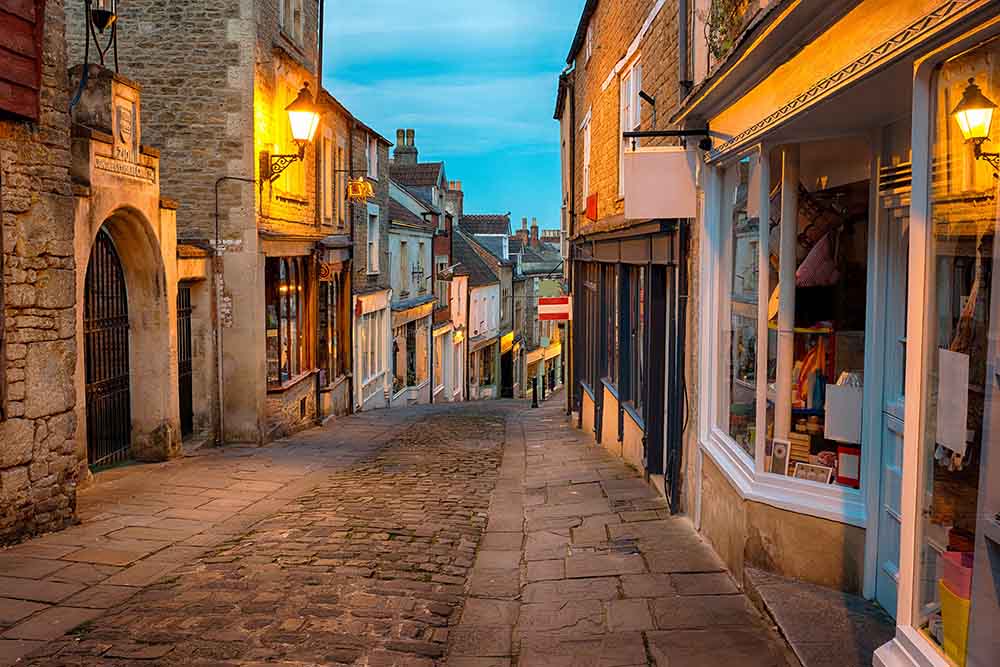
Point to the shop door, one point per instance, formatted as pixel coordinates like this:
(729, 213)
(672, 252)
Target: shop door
(889, 518)
(106, 356)
(184, 359)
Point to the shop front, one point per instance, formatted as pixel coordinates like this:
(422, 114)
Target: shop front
(372, 345)
(849, 307)
(411, 340)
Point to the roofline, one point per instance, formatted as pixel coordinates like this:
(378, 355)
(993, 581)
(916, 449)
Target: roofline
(561, 93)
(581, 30)
(327, 97)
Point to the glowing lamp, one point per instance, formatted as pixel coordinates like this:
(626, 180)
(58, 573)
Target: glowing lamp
(974, 115)
(103, 13)
(303, 115)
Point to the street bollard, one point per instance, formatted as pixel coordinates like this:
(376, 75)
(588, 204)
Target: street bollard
(543, 387)
(534, 392)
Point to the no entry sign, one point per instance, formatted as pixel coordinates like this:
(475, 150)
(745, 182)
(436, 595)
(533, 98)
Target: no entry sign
(554, 308)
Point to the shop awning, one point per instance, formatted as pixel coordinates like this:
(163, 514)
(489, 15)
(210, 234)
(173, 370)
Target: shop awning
(476, 344)
(553, 351)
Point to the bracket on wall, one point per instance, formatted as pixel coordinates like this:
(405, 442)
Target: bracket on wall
(704, 144)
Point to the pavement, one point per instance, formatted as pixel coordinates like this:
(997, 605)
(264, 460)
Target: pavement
(473, 535)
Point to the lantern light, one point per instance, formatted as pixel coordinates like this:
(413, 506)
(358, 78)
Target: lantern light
(103, 13)
(974, 115)
(303, 117)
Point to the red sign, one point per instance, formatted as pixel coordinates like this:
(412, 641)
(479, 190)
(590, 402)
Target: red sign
(592, 207)
(554, 308)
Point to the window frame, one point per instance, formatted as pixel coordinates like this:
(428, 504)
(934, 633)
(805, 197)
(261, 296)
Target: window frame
(371, 157)
(589, 43)
(629, 112)
(329, 177)
(585, 171)
(831, 501)
(330, 360)
(292, 324)
(373, 240)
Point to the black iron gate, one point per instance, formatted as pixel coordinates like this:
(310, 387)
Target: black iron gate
(106, 356)
(184, 366)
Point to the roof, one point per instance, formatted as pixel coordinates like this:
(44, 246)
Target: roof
(417, 196)
(492, 242)
(581, 30)
(561, 94)
(423, 174)
(463, 252)
(399, 214)
(485, 224)
(514, 245)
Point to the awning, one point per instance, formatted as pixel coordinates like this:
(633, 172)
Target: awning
(536, 355)
(507, 342)
(476, 344)
(553, 351)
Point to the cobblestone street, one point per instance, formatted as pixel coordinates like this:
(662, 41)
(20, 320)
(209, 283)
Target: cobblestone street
(477, 535)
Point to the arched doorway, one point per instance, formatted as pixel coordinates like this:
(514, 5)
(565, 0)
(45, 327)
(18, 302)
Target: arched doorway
(106, 356)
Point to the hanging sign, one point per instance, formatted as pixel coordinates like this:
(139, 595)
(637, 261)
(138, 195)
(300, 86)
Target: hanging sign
(554, 309)
(359, 189)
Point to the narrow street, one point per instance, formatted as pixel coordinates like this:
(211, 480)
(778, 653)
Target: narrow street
(482, 534)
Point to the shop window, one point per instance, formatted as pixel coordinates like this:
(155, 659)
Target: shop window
(962, 381)
(817, 287)
(738, 353)
(371, 340)
(438, 362)
(287, 352)
(486, 367)
(328, 333)
(636, 312)
(610, 322)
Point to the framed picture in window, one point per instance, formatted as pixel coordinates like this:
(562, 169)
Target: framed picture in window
(813, 472)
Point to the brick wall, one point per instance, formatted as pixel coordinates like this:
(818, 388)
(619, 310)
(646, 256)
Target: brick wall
(38, 460)
(615, 25)
(194, 61)
(362, 282)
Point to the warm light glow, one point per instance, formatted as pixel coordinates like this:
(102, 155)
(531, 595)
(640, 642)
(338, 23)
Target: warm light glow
(974, 113)
(359, 189)
(303, 116)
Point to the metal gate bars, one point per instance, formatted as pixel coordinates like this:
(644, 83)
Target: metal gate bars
(106, 356)
(184, 356)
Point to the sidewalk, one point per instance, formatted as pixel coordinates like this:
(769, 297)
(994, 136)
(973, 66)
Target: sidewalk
(582, 565)
(139, 523)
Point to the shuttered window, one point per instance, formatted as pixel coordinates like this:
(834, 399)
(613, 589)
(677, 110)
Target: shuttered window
(21, 25)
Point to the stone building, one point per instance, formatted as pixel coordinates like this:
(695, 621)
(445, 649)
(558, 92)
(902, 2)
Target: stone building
(628, 265)
(39, 457)
(246, 191)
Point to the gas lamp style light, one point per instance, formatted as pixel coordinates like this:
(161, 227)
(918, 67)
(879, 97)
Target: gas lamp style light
(102, 17)
(103, 14)
(303, 116)
(974, 115)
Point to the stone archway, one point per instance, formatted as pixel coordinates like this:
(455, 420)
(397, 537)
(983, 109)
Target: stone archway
(149, 326)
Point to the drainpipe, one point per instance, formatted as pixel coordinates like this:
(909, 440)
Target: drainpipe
(571, 265)
(677, 382)
(218, 275)
(682, 48)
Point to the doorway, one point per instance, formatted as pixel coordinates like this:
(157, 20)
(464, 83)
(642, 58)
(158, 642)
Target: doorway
(106, 356)
(507, 375)
(185, 370)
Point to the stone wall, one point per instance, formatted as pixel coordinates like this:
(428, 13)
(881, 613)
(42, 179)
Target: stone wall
(615, 25)
(194, 61)
(38, 464)
(362, 282)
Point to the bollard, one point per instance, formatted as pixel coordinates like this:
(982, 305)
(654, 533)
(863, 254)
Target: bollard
(543, 386)
(534, 392)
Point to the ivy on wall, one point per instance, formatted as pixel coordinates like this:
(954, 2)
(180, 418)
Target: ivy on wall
(724, 21)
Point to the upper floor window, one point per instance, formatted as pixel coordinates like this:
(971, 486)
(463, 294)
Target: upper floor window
(373, 238)
(329, 177)
(586, 158)
(291, 18)
(418, 270)
(371, 155)
(589, 48)
(404, 268)
(631, 114)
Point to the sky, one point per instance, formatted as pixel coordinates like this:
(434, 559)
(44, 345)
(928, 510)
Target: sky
(475, 80)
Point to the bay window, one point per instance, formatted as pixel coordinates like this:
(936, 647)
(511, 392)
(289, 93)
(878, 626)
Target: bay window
(288, 357)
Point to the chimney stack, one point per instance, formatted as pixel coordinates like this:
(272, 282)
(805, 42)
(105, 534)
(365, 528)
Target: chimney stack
(534, 233)
(405, 152)
(454, 199)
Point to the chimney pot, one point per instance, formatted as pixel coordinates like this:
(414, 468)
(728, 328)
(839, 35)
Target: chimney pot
(400, 138)
(409, 137)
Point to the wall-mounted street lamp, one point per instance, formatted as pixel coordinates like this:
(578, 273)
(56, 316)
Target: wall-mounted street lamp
(303, 116)
(974, 115)
(103, 14)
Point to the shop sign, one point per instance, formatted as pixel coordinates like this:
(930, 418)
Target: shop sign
(555, 308)
(660, 183)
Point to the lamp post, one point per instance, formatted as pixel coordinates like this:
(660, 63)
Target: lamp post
(303, 116)
(974, 115)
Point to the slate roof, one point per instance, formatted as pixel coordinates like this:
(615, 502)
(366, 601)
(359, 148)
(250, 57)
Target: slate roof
(421, 175)
(463, 252)
(399, 214)
(494, 244)
(485, 224)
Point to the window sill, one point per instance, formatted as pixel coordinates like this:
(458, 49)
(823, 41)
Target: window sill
(586, 388)
(629, 408)
(826, 501)
(611, 388)
(289, 384)
(291, 198)
(330, 386)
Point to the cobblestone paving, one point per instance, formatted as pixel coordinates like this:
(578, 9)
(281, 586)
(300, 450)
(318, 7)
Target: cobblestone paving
(368, 567)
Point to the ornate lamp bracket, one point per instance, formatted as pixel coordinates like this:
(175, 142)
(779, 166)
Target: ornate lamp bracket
(992, 158)
(271, 166)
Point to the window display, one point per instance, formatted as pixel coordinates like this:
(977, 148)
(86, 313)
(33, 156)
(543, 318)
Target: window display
(287, 353)
(329, 351)
(960, 387)
(817, 282)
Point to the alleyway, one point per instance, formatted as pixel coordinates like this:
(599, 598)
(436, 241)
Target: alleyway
(477, 535)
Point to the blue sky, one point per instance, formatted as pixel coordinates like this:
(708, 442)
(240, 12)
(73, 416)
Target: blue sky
(476, 81)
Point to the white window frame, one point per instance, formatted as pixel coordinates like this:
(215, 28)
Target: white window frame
(833, 502)
(371, 157)
(404, 267)
(630, 113)
(340, 191)
(329, 177)
(585, 129)
(589, 46)
(373, 240)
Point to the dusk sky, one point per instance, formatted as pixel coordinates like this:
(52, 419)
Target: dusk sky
(476, 81)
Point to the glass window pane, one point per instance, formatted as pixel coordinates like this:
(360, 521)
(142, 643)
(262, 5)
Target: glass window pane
(962, 399)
